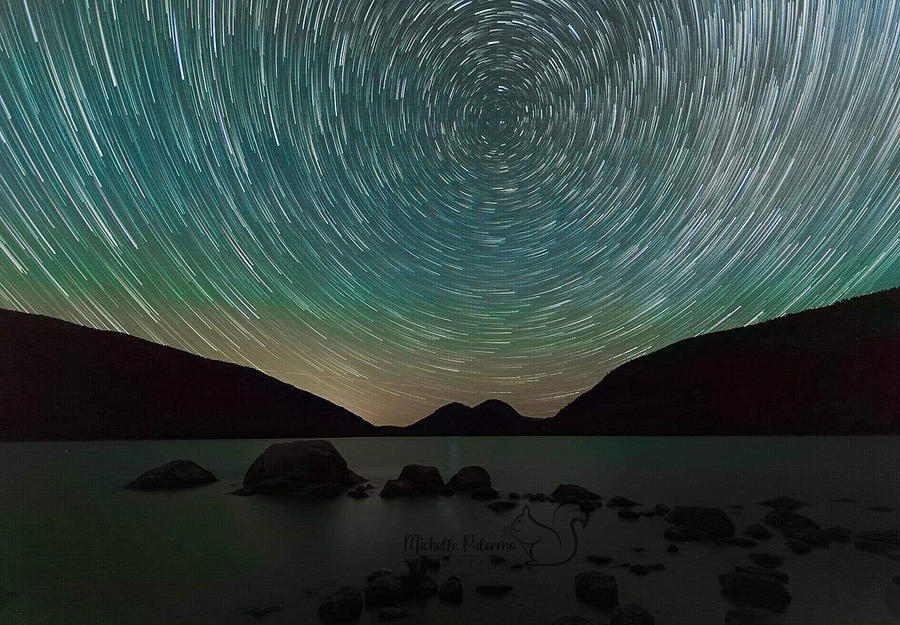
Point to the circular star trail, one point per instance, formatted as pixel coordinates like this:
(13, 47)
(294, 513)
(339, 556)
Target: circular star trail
(395, 204)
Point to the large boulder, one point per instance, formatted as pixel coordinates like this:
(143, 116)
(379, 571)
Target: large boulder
(699, 521)
(754, 591)
(343, 606)
(310, 468)
(597, 588)
(414, 479)
(469, 478)
(175, 474)
(630, 614)
(573, 492)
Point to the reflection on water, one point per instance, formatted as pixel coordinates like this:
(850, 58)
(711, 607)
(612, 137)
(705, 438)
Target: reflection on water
(76, 547)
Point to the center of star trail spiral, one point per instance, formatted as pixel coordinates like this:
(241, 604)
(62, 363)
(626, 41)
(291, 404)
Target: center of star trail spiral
(395, 204)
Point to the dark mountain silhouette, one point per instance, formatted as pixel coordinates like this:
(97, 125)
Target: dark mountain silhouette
(59, 380)
(491, 417)
(829, 370)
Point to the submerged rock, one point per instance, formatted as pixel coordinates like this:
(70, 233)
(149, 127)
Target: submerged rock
(493, 590)
(780, 519)
(469, 478)
(451, 590)
(621, 502)
(766, 560)
(697, 520)
(783, 503)
(502, 505)
(750, 616)
(393, 614)
(342, 606)
(754, 591)
(305, 468)
(597, 588)
(175, 474)
(630, 614)
(757, 531)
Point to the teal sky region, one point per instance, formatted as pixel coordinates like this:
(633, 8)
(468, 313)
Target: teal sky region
(394, 204)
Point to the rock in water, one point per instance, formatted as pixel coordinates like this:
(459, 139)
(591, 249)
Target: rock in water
(494, 590)
(750, 616)
(392, 614)
(766, 559)
(597, 588)
(573, 492)
(502, 505)
(696, 520)
(301, 468)
(753, 591)
(780, 519)
(175, 474)
(631, 614)
(451, 591)
(469, 478)
(414, 480)
(758, 531)
(575, 620)
(621, 502)
(783, 503)
(343, 606)
(384, 590)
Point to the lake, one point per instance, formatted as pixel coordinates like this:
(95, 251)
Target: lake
(76, 547)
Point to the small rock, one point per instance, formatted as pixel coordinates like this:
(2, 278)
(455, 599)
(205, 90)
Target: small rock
(493, 590)
(710, 522)
(495, 559)
(672, 549)
(588, 506)
(839, 534)
(451, 590)
(638, 549)
(783, 520)
(776, 576)
(357, 494)
(264, 611)
(573, 492)
(630, 614)
(601, 560)
(881, 508)
(513, 496)
(754, 592)
(814, 538)
(502, 505)
(175, 474)
(739, 541)
(750, 616)
(342, 606)
(639, 569)
(597, 588)
(662, 509)
(757, 531)
(680, 534)
(575, 620)
(797, 546)
(621, 502)
(392, 614)
(384, 591)
(628, 514)
(783, 503)
(766, 560)
(658, 566)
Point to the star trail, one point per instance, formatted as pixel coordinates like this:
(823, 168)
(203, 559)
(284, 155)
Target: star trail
(399, 203)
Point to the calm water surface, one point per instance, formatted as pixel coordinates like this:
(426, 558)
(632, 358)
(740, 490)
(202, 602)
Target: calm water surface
(78, 548)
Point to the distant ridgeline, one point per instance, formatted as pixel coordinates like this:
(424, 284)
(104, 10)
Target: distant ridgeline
(832, 370)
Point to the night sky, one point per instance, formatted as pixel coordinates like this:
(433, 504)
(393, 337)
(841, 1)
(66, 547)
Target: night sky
(399, 203)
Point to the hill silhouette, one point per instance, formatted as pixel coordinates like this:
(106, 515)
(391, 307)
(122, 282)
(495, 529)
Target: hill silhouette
(831, 370)
(59, 380)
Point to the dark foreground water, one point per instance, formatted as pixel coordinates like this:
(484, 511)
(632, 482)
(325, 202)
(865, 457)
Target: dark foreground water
(76, 547)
